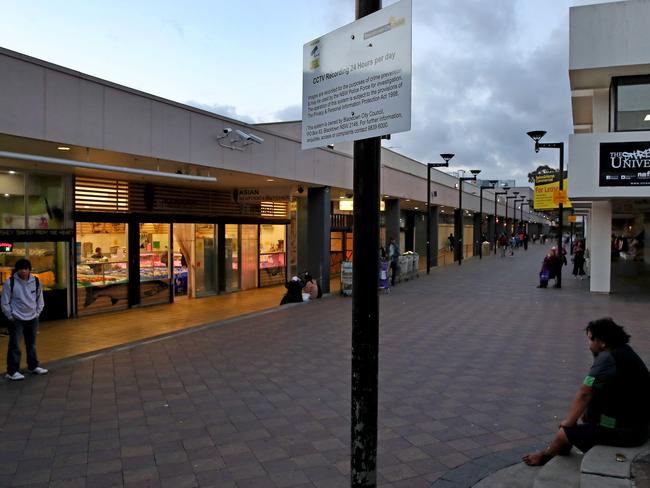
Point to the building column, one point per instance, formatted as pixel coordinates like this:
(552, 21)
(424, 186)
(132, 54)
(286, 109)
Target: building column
(392, 221)
(600, 260)
(302, 244)
(318, 228)
(433, 236)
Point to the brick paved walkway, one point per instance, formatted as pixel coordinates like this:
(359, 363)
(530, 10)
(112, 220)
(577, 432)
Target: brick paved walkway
(474, 361)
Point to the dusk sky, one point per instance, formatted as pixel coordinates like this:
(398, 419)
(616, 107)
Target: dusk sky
(484, 73)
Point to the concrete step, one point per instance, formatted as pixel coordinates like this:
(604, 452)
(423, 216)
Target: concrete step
(560, 472)
(516, 476)
(610, 467)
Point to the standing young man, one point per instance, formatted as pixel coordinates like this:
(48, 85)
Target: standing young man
(22, 303)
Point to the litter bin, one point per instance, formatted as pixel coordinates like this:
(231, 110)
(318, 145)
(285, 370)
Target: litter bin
(485, 248)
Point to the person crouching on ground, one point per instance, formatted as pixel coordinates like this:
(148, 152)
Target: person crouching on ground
(294, 291)
(613, 400)
(311, 287)
(22, 303)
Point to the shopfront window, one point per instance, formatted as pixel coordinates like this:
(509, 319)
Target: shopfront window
(632, 103)
(48, 265)
(154, 264)
(272, 254)
(44, 202)
(12, 200)
(31, 201)
(232, 257)
(102, 267)
(206, 259)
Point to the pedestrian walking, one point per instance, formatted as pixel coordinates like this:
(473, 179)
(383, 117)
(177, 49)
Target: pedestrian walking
(393, 256)
(578, 260)
(503, 244)
(22, 304)
(451, 242)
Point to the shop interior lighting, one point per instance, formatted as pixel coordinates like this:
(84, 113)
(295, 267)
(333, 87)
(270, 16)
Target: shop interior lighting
(63, 148)
(103, 167)
(7, 195)
(270, 179)
(647, 118)
(12, 172)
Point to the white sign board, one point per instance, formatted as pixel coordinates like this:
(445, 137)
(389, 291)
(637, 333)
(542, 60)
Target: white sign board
(356, 80)
(257, 195)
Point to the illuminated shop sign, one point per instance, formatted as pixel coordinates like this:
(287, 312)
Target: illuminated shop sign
(624, 164)
(6, 247)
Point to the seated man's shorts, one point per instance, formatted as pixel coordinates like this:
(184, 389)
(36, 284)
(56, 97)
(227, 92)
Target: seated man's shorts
(586, 435)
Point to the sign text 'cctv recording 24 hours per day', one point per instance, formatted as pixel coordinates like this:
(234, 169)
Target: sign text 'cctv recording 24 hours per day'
(346, 98)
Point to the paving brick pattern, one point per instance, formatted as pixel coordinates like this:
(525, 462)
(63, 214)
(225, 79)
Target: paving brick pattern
(475, 364)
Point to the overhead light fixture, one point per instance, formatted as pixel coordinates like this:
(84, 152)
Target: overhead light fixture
(270, 179)
(416, 208)
(63, 148)
(12, 172)
(103, 167)
(7, 194)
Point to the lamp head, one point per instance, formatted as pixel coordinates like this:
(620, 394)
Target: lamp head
(475, 171)
(506, 188)
(536, 135)
(446, 157)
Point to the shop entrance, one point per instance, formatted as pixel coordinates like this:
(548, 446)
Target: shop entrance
(630, 272)
(195, 260)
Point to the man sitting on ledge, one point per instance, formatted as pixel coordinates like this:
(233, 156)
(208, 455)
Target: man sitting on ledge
(613, 400)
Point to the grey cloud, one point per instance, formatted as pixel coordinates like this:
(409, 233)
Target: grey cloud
(292, 112)
(225, 110)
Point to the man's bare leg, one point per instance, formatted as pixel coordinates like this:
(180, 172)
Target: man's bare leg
(559, 445)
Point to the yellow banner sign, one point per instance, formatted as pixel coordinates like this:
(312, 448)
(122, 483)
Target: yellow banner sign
(547, 192)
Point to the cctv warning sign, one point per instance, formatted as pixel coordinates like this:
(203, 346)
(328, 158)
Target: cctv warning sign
(357, 79)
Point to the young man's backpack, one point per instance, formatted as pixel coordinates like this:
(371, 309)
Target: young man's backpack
(12, 281)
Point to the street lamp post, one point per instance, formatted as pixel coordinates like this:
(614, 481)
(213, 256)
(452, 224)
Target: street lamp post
(446, 157)
(536, 136)
(490, 185)
(459, 230)
(496, 201)
(509, 197)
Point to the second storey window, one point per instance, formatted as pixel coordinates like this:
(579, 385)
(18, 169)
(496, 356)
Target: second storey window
(632, 103)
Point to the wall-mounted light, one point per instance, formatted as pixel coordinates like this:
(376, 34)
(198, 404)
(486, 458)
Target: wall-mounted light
(63, 148)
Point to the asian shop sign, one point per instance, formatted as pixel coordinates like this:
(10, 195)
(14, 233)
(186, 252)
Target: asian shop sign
(624, 164)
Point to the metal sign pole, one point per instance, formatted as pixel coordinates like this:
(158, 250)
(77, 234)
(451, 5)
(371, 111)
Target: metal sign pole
(365, 302)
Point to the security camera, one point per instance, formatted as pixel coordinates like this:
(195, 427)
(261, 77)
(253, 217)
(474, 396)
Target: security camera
(255, 138)
(242, 135)
(227, 130)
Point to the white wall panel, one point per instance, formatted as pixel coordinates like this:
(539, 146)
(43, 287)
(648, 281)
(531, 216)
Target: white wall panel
(170, 137)
(127, 122)
(22, 98)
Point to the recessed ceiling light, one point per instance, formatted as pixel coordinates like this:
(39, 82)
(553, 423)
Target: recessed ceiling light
(6, 194)
(63, 148)
(408, 200)
(416, 208)
(12, 172)
(270, 179)
(647, 118)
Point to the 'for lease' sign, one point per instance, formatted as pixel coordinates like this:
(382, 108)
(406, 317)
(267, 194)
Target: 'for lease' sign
(357, 79)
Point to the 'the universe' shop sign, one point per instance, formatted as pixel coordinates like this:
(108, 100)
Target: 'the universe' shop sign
(625, 164)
